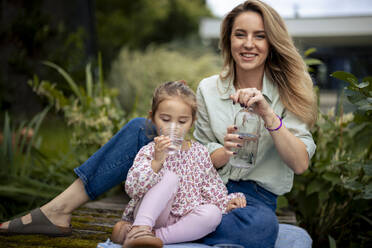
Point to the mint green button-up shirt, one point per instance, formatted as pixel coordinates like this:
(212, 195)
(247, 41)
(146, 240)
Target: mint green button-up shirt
(216, 112)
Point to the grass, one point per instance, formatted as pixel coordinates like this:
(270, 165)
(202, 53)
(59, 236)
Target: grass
(56, 137)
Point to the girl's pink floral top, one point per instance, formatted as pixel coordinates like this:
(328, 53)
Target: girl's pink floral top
(199, 182)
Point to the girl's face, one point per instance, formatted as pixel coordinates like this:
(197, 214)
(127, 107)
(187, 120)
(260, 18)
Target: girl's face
(249, 46)
(173, 109)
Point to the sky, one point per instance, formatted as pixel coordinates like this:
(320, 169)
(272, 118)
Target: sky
(305, 8)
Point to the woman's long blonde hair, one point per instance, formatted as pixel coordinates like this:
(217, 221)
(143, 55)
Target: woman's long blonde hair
(284, 65)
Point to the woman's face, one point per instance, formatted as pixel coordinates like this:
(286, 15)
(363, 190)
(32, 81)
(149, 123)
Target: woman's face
(249, 46)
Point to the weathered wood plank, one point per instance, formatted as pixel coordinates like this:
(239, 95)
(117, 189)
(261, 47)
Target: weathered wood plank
(91, 224)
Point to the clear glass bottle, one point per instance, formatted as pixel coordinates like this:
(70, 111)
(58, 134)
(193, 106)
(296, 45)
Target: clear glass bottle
(249, 127)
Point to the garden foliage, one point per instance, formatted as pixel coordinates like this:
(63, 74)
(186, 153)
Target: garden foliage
(333, 198)
(27, 176)
(93, 112)
(136, 74)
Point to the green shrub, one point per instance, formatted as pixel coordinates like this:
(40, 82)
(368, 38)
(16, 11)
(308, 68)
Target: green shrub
(93, 112)
(136, 74)
(27, 176)
(333, 198)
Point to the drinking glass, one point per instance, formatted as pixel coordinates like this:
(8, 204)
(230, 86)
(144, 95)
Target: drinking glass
(176, 135)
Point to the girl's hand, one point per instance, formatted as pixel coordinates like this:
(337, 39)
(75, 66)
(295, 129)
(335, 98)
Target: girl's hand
(160, 154)
(238, 202)
(252, 97)
(161, 144)
(232, 140)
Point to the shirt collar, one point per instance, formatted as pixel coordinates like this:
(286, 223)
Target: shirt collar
(226, 88)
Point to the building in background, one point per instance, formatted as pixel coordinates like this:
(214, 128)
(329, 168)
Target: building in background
(342, 43)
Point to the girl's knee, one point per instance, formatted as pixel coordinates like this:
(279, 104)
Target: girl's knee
(171, 179)
(210, 215)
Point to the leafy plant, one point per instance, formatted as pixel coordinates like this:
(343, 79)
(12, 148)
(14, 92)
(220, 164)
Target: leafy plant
(27, 176)
(136, 73)
(93, 111)
(311, 61)
(333, 198)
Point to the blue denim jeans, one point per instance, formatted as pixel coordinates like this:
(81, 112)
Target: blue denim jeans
(109, 166)
(255, 224)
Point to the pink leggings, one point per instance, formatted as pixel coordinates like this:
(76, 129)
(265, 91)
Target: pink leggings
(154, 210)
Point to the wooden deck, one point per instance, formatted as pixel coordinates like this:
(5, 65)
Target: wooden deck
(91, 224)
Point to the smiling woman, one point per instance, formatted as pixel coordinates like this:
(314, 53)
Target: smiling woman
(262, 71)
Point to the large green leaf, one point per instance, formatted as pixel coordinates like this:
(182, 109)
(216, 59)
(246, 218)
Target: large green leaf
(67, 77)
(315, 186)
(89, 80)
(309, 51)
(332, 177)
(346, 76)
(9, 190)
(367, 168)
(332, 242)
(313, 62)
(367, 192)
(353, 184)
(366, 107)
(363, 85)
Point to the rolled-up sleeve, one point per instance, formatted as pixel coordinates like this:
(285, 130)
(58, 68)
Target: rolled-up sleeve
(203, 131)
(300, 130)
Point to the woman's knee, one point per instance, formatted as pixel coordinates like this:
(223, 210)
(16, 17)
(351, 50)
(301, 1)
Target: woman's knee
(263, 224)
(138, 122)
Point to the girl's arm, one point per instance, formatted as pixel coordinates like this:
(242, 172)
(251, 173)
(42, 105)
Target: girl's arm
(141, 177)
(214, 190)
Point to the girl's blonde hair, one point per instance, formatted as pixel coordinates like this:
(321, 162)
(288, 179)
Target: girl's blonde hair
(173, 89)
(284, 66)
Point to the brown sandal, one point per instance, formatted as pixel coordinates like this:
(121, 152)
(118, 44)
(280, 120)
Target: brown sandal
(40, 224)
(142, 237)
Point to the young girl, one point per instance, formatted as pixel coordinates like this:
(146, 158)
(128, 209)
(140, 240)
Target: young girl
(174, 198)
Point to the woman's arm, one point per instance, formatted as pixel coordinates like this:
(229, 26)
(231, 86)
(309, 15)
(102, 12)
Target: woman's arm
(290, 148)
(203, 133)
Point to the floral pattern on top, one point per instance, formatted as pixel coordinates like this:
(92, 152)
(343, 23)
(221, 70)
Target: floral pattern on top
(199, 182)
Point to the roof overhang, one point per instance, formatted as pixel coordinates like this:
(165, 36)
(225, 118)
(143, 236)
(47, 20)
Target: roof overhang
(336, 31)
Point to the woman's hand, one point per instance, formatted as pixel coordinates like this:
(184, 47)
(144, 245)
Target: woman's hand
(222, 155)
(238, 202)
(161, 145)
(252, 97)
(232, 140)
(291, 149)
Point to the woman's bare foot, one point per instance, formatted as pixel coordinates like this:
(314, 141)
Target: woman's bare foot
(59, 209)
